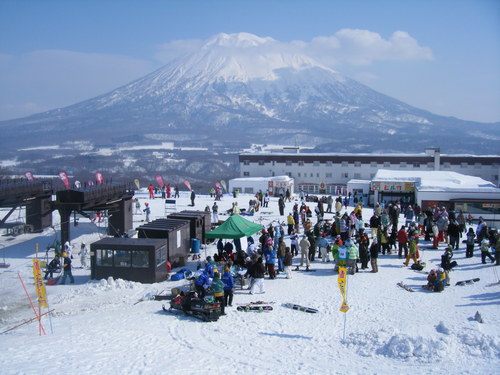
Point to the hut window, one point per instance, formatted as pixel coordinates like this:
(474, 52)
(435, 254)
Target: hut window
(161, 255)
(122, 258)
(140, 259)
(104, 258)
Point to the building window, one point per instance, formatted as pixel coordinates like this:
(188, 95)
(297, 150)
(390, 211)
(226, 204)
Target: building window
(248, 190)
(372, 175)
(373, 164)
(357, 164)
(289, 174)
(495, 177)
(261, 162)
(246, 162)
(312, 174)
(272, 174)
(402, 164)
(246, 174)
(345, 175)
(301, 163)
(298, 174)
(329, 163)
(446, 165)
(316, 163)
(329, 175)
(345, 164)
(387, 164)
(416, 165)
(357, 175)
(122, 258)
(464, 165)
(430, 165)
(288, 162)
(161, 255)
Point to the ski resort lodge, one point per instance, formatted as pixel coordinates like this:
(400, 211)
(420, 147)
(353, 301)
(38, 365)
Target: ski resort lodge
(329, 173)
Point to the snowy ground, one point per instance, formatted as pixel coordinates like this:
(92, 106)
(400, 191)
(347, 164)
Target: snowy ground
(97, 327)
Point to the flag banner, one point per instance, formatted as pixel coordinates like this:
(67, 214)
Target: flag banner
(342, 281)
(223, 184)
(39, 285)
(137, 184)
(99, 178)
(186, 182)
(64, 177)
(29, 176)
(159, 179)
(218, 185)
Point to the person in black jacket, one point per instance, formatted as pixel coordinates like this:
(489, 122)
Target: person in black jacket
(53, 266)
(67, 269)
(374, 225)
(374, 250)
(257, 272)
(454, 234)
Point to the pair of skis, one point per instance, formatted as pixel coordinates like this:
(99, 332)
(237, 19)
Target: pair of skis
(258, 306)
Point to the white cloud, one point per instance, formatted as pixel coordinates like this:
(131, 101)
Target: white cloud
(347, 46)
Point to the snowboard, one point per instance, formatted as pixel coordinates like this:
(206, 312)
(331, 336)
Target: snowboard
(405, 287)
(464, 282)
(300, 308)
(257, 308)
(256, 303)
(53, 281)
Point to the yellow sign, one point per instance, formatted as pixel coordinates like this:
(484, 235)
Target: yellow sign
(39, 285)
(342, 281)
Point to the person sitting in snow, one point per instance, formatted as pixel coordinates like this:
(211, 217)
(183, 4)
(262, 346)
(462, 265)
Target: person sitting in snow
(53, 266)
(446, 262)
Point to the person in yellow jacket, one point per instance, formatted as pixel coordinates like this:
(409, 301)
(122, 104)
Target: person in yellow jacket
(412, 254)
(291, 223)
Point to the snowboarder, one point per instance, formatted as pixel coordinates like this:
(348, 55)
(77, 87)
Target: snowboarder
(67, 269)
(257, 272)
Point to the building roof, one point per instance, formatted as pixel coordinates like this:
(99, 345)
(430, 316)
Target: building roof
(437, 180)
(263, 179)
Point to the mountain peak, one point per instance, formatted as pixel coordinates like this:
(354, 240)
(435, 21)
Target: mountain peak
(240, 40)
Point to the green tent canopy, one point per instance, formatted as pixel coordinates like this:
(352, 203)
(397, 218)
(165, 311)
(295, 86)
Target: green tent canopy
(234, 227)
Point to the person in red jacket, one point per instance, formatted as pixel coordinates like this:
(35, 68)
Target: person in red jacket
(402, 242)
(151, 191)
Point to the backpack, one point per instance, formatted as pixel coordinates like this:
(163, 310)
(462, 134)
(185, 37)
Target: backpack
(417, 267)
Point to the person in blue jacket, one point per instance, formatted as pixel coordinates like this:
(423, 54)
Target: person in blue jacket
(201, 284)
(228, 281)
(270, 254)
(209, 268)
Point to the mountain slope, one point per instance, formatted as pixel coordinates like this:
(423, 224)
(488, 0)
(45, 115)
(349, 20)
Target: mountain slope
(240, 88)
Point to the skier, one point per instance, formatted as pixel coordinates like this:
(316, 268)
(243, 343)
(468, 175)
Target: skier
(147, 210)
(67, 269)
(281, 206)
(83, 255)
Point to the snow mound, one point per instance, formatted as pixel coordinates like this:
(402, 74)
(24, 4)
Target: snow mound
(442, 328)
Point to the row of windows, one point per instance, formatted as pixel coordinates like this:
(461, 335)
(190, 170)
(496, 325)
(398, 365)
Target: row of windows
(318, 175)
(129, 258)
(373, 164)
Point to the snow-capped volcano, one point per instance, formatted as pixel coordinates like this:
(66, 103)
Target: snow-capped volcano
(241, 88)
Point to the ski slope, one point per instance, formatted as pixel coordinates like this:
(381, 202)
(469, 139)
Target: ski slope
(98, 326)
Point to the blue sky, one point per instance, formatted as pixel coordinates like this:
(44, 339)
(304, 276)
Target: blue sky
(438, 55)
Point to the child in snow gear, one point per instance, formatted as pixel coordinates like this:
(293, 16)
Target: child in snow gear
(471, 236)
(485, 251)
(218, 289)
